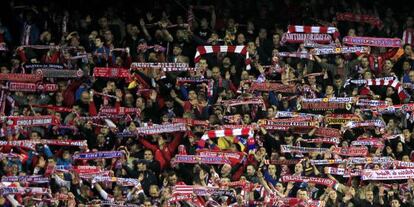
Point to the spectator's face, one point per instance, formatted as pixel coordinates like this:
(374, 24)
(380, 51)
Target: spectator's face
(103, 22)
(250, 170)
(177, 51)
(364, 62)
(34, 136)
(216, 73)
(333, 195)
(411, 76)
(329, 90)
(312, 79)
(339, 60)
(367, 75)
(172, 180)
(395, 203)
(192, 95)
(148, 155)
(241, 39)
(302, 195)
(407, 50)
(298, 168)
(4, 69)
(263, 34)
(203, 64)
(369, 196)
(351, 32)
(153, 191)
(270, 113)
(85, 97)
(225, 170)
(98, 42)
(276, 39)
(272, 169)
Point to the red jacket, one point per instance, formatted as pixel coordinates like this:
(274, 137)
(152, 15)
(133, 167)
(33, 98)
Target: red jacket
(164, 155)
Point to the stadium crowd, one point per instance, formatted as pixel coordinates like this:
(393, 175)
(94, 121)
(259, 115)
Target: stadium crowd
(207, 103)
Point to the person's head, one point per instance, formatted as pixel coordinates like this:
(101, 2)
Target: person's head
(142, 165)
(329, 90)
(263, 33)
(177, 50)
(241, 39)
(395, 202)
(364, 62)
(369, 196)
(226, 62)
(117, 191)
(339, 60)
(333, 195)
(387, 67)
(298, 168)
(276, 39)
(338, 81)
(312, 79)
(35, 135)
(271, 113)
(154, 191)
(406, 66)
(279, 187)
(225, 170)
(407, 49)
(272, 169)
(367, 75)
(250, 170)
(302, 195)
(103, 22)
(288, 139)
(351, 32)
(98, 42)
(148, 155)
(147, 203)
(247, 119)
(411, 75)
(202, 64)
(192, 95)
(85, 97)
(216, 73)
(172, 179)
(400, 147)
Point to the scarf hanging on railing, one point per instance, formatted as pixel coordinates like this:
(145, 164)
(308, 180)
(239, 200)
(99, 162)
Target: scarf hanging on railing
(119, 181)
(397, 174)
(301, 37)
(268, 86)
(366, 123)
(97, 155)
(111, 72)
(26, 179)
(372, 41)
(31, 87)
(30, 121)
(35, 66)
(340, 119)
(316, 180)
(23, 190)
(20, 77)
(158, 129)
(241, 49)
(298, 149)
(59, 109)
(166, 67)
(333, 140)
(300, 55)
(325, 103)
(194, 159)
(339, 50)
(190, 122)
(362, 18)
(351, 151)
(53, 73)
(210, 83)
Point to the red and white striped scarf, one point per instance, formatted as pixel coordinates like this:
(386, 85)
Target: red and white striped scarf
(408, 36)
(350, 151)
(241, 49)
(205, 159)
(31, 87)
(372, 41)
(314, 29)
(111, 72)
(20, 77)
(385, 82)
(31, 121)
(225, 132)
